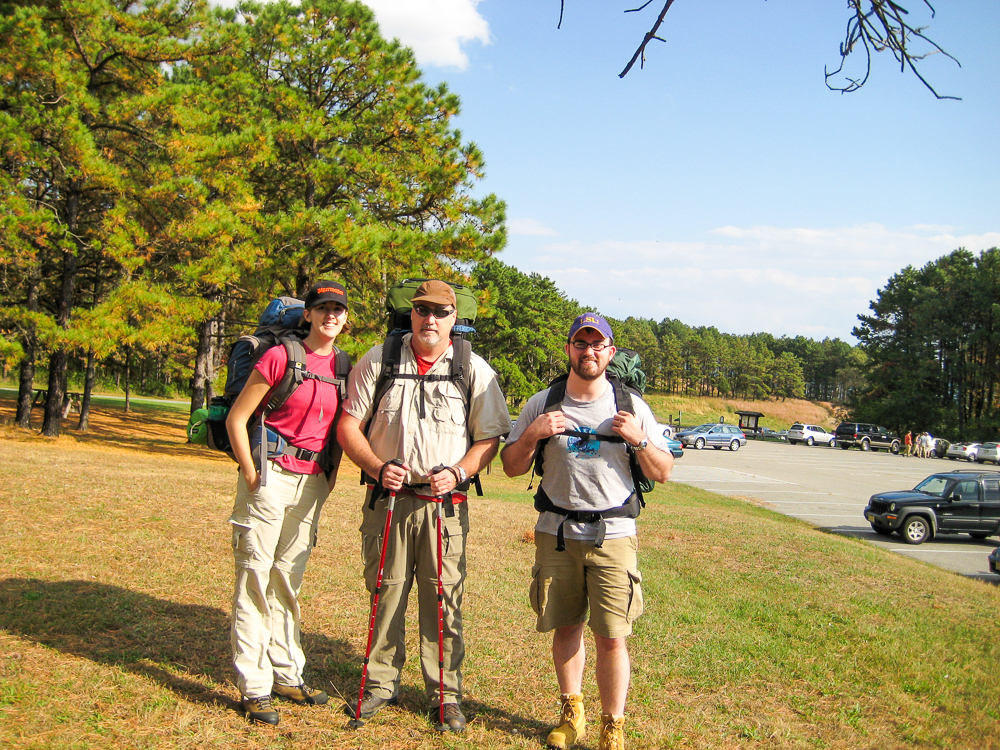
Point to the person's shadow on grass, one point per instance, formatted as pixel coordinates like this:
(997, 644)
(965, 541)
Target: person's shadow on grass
(184, 647)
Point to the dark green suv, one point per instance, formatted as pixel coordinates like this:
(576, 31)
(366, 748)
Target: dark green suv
(868, 437)
(954, 502)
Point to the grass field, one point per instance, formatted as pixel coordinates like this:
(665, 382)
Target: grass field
(760, 631)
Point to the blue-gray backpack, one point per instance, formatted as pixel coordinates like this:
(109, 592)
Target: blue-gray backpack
(279, 323)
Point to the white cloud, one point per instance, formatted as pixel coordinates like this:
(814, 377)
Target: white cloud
(530, 227)
(785, 281)
(436, 30)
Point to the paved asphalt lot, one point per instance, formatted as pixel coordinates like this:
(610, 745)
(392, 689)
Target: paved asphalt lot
(829, 488)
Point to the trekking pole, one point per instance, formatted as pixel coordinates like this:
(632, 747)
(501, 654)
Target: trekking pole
(441, 727)
(357, 722)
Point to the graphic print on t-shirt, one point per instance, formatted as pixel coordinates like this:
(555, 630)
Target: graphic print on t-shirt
(584, 447)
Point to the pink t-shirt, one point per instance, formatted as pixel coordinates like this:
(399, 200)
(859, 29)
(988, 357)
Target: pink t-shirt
(306, 417)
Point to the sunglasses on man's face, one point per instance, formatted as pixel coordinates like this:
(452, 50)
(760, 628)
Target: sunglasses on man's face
(438, 312)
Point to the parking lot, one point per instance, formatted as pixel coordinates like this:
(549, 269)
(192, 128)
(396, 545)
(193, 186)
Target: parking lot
(829, 488)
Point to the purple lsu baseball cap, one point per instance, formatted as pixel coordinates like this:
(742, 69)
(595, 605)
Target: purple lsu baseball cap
(590, 320)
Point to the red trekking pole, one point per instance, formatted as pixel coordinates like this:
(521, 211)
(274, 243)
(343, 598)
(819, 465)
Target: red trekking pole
(441, 727)
(356, 722)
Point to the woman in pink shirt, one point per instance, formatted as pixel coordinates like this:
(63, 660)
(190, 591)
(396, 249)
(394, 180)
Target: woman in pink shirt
(274, 521)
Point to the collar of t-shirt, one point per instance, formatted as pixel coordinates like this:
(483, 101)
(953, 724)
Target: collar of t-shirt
(423, 365)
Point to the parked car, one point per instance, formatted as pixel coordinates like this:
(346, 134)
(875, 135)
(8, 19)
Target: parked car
(667, 430)
(967, 451)
(810, 434)
(964, 501)
(676, 450)
(866, 436)
(988, 452)
(994, 560)
(766, 433)
(713, 435)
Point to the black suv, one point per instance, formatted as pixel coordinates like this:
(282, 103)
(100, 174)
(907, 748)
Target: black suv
(955, 502)
(868, 437)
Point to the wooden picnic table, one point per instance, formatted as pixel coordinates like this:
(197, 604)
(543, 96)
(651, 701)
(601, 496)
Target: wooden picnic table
(71, 400)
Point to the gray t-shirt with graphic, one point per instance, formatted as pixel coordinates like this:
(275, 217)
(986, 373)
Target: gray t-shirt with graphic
(587, 474)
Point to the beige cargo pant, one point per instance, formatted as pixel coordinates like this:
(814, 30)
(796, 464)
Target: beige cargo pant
(274, 531)
(412, 556)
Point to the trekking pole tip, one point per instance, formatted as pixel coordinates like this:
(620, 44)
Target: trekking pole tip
(355, 723)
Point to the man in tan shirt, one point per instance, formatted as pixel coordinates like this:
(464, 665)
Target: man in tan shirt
(422, 422)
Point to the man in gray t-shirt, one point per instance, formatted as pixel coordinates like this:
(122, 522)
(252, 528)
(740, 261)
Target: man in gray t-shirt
(587, 563)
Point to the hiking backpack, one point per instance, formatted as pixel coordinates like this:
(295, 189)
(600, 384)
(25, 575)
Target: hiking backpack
(398, 304)
(627, 379)
(279, 324)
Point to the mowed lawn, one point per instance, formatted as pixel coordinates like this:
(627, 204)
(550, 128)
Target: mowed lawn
(760, 631)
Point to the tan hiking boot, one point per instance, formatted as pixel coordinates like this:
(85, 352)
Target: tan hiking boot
(260, 710)
(612, 732)
(301, 694)
(572, 726)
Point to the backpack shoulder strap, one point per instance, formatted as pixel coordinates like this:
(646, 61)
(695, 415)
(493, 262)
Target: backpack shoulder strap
(553, 402)
(461, 366)
(294, 374)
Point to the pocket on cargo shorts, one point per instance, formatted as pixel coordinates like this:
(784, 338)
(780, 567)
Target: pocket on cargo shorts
(537, 592)
(635, 603)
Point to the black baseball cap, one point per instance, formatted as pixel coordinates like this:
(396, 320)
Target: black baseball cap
(326, 291)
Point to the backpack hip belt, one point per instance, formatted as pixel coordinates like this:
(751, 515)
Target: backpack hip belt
(453, 498)
(629, 509)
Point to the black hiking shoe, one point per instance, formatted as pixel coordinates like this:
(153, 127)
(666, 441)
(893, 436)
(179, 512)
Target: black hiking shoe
(370, 705)
(454, 719)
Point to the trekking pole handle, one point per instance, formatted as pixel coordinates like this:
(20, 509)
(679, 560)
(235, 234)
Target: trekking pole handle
(381, 473)
(437, 470)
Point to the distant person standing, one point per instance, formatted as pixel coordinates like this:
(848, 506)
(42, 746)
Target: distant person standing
(907, 443)
(585, 538)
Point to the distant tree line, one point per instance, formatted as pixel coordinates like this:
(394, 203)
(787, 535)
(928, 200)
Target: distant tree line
(168, 167)
(933, 346)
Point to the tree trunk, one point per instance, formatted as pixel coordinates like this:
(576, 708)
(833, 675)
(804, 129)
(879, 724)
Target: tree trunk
(52, 423)
(128, 359)
(26, 379)
(88, 386)
(60, 357)
(203, 362)
(25, 387)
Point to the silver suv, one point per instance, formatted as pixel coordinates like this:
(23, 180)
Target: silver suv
(810, 434)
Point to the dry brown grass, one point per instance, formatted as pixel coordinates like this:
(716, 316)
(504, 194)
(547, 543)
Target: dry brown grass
(778, 414)
(115, 577)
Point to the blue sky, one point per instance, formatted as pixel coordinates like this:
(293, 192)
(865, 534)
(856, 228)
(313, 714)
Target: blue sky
(723, 184)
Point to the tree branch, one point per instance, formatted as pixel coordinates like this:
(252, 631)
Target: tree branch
(640, 52)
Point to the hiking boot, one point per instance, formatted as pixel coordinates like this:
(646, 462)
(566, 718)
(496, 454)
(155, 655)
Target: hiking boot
(260, 710)
(612, 732)
(301, 694)
(454, 719)
(370, 705)
(572, 726)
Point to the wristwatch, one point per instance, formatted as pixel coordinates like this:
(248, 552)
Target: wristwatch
(462, 475)
(640, 447)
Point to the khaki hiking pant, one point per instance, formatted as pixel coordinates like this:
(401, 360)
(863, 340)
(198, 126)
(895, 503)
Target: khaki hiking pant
(412, 556)
(274, 531)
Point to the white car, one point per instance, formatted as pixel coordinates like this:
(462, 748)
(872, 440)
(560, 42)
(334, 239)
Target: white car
(968, 451)
(810, 434)
(988, 452)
